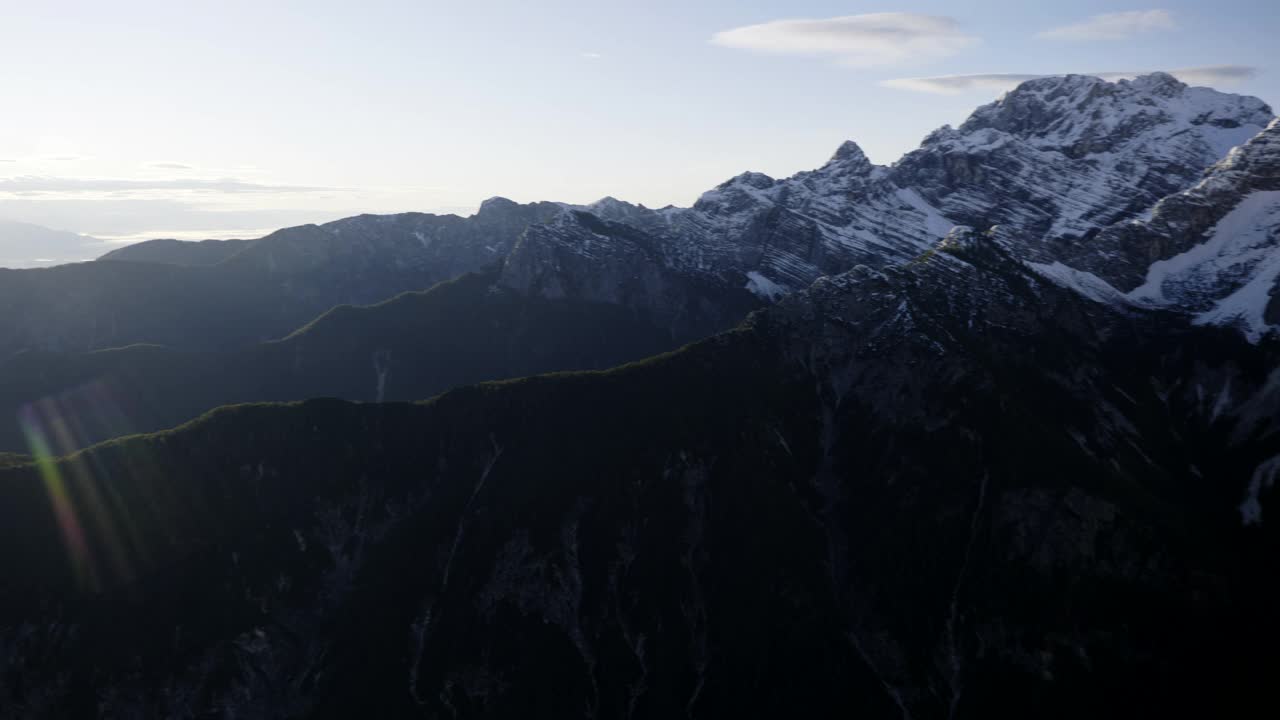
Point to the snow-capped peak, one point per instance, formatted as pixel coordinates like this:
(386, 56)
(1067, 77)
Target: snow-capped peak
(1160, 83)
(849, 153)
(1081, 115)
(1062, 157)
(1052, 163)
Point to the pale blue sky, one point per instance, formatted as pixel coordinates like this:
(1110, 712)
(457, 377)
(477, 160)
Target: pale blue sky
(130, 119)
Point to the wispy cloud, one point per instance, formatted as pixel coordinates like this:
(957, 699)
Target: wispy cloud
(169, 166)
(873, 39)
(1216, 74)
(592, 55)
(955, 84)
(1113, 26)
(31, 184)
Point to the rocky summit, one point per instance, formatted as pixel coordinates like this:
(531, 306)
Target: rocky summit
(1052, 164)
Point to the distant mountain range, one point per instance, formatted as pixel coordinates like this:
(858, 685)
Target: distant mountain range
(990, 432)
(1050, 165)
(23, 245)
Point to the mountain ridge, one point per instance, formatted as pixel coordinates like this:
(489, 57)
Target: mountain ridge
(1053, 162)
(670, 287)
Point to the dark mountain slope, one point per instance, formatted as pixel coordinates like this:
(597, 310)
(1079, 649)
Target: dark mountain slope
(950, 490)
(408, 348)
(87, 306)
(178, 252)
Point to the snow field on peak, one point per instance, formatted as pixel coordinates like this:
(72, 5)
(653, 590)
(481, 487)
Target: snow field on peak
(1240, 251)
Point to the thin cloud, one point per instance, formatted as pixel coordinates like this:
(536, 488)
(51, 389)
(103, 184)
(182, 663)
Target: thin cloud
(1113, 26)
(855, 40)
(169, 166)
(1216, 74)
(1219, 75)
(592, 55)
(956, 84)
(28, 185)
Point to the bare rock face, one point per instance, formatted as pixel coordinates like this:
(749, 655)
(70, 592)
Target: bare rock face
(578, 256)
(788, 232)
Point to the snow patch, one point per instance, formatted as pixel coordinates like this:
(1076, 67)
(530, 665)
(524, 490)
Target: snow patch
(1085, 283)
(1239, 238)
(1245, 307)
(763, 287)
(1240, 254)
(934, 221)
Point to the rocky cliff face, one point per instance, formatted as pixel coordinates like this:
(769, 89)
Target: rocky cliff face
(580, 257)
(766, 235)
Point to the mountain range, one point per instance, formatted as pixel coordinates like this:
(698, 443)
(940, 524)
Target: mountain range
(987, 432)
(23, 245)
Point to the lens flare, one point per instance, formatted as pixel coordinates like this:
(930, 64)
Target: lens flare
(94, 518)
(63, 509)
